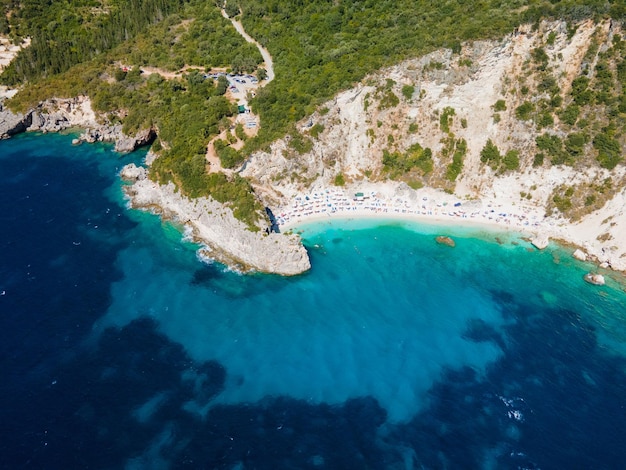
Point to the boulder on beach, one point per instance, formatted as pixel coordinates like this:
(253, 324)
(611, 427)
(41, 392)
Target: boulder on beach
(540, 242)
(580, 255)
(595, 279)
(443, 240)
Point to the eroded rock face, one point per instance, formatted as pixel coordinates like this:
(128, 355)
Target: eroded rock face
(12, 123)
(213, 224)
(133, 173)
(125, 144)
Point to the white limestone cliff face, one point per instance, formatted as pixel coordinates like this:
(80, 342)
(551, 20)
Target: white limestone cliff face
(227, 239)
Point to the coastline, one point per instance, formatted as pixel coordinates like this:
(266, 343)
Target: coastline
(61, 114)
(212, 224)
(436, 208)
(382, 201)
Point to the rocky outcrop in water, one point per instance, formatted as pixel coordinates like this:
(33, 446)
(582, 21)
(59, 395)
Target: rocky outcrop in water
(227, 239)
(580, 255)
(595, 279)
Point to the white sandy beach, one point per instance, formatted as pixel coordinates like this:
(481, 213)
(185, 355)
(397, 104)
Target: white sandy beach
(429, 205)
(382, 201)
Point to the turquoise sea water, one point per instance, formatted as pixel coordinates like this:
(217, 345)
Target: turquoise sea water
(120, 349)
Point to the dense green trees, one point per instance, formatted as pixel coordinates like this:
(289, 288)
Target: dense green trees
(415, 157)
(490, 154)
(319, 47)
(65, 33)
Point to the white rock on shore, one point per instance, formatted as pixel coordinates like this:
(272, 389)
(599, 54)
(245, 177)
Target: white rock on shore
(580, 255)
(540, 242)
(213, 224)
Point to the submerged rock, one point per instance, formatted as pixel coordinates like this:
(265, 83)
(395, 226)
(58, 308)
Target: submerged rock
(443, 240)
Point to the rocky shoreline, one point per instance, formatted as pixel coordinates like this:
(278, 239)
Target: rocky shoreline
(57, 114)
(212, 224)
(226, 239)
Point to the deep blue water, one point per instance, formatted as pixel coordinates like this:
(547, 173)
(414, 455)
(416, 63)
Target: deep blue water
(119, 349)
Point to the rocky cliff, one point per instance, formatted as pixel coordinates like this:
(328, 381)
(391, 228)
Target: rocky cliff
(57, 114)
(226, 239)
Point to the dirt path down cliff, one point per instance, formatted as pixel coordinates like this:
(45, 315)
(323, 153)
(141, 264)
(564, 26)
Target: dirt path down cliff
(269, 63)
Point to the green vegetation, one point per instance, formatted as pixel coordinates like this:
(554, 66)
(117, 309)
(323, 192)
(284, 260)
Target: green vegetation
(187, 111)
(499, 106)
(490, 155)
(540, 58)
(68, 33)
(511, 160)
(407, 91)
(544, 119)
(229, 158)
(570, 114)
(553, 146)
(562, 198)
(240, 133)
(300, 143)
(523, 111)
(316, 130)
(340, 180)
(581, 94)
(454, 169)
(445, 119)
(609, 152)
(387, 99)
(577, 200)
(397, 164)
(322, 47)
(97, 47)
(575, 144)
